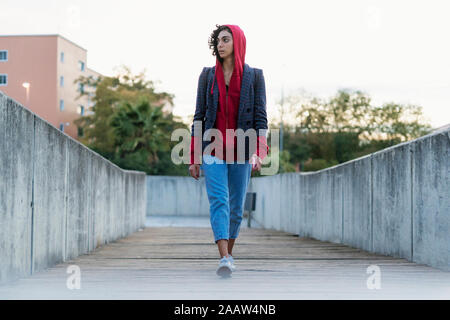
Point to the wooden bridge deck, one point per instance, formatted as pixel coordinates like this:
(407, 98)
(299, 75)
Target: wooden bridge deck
(180, 262)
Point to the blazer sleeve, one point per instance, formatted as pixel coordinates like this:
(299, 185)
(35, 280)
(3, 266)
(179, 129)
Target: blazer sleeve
(260, 114)
(199, 115)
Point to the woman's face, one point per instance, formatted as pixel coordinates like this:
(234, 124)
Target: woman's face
(225, 44)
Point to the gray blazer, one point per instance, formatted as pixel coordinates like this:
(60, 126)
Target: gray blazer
(252, 103)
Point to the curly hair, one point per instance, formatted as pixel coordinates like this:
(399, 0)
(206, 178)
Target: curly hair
(213, 39)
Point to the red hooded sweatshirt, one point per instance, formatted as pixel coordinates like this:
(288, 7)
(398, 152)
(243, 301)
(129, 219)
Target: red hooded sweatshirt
(227, 111)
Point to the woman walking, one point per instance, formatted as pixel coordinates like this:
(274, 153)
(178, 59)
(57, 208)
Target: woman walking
(230, 95)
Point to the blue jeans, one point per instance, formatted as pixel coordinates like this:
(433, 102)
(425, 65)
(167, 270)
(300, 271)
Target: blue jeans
(226, 186)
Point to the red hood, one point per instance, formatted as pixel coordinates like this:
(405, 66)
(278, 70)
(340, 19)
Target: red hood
(239, 61)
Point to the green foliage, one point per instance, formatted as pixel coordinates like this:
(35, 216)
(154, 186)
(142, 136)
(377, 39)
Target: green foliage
(138, 135)
(128, 125)
(346, 127)
(319, 164)
(345, 144)
(285, 162)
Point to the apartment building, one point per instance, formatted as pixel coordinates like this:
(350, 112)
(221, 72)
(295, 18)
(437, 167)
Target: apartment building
(39, 72)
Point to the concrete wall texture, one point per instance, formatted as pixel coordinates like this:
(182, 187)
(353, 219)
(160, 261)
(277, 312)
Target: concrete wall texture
(395, 201)
(58, 199)
(176, 196)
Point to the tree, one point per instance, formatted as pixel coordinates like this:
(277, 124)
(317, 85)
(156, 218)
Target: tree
(347, 126)
(127, 125)
(138, 135)
(110, 92)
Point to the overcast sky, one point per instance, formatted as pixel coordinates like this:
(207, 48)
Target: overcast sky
(394, 50)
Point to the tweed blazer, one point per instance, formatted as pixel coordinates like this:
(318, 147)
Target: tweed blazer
(252, 103)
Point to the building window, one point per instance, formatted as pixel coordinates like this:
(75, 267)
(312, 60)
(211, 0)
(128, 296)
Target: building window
(81, 65)
(62, 57)
(61, 105)
(3, 55)
(61, 127)
(80, 132)
(81, 87)
(3, 79)
(81, 110)
(61, 81)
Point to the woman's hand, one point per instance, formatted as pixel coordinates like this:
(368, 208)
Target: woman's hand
(256, 162)
(194, 170)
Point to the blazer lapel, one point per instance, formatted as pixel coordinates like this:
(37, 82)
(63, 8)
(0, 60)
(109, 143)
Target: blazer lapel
(215, 90)
(244, 93)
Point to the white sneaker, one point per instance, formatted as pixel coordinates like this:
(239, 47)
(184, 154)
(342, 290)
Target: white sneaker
(224, 269)
(233, 267)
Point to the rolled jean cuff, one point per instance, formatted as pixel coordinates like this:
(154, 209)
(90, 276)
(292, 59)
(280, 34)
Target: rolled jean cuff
(220, 238)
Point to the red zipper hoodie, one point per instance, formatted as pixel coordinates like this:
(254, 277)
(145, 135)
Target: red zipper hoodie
(227, 111)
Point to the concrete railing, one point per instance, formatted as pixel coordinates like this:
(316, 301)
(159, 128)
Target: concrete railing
(395, 201)
(176, 196)
(58, 199)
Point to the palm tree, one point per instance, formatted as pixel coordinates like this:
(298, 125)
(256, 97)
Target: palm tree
(138, 135)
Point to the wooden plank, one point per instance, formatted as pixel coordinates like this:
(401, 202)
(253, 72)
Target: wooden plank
(180, 262)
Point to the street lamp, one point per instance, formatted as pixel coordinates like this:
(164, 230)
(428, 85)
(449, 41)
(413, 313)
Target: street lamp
(27, 85)
(283, 71)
